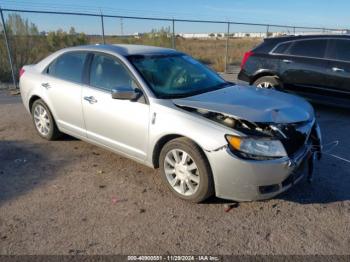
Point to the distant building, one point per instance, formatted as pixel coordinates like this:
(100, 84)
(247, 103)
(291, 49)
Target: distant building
(202, 35)
(221, 35)
(241, 34)
(137, 35)
(248, 34)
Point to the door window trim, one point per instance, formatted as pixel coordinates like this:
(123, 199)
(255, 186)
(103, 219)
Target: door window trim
(310, 57)
(87, 72)
(332, 45)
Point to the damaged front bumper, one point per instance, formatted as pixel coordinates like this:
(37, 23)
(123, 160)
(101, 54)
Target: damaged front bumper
(248, 180)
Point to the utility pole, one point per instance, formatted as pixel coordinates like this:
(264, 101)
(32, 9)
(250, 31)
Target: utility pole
(103, 30)
(226, 50)
(173, 36)
(267, 31)
(121, 27)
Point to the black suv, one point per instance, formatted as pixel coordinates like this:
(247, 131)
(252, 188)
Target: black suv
(315, 66)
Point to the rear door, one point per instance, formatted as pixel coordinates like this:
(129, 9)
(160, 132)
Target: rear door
(62, 86)
(302, 68)
(338, 69)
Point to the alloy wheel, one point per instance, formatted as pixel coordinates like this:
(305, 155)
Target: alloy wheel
(266, 85)
(42, 120)
(181, 172)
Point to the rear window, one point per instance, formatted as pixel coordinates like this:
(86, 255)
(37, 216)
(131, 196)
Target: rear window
(68, 67)
(340, 50)
(308, 48)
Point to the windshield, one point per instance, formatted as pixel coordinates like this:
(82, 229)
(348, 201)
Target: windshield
(171, 76)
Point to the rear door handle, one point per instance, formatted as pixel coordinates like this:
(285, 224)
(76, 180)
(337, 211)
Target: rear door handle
(336, 69)
(46, 85)
(287, 61)
(90, 99)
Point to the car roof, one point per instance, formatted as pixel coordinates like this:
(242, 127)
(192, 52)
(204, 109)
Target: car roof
(125, 49)
(270, 43)
(121, 50)
(295, 37)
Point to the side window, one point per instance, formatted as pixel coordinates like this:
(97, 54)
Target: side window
(340, 50)
(309, 48)
(68, 66)
(107, 73)
(282, 48)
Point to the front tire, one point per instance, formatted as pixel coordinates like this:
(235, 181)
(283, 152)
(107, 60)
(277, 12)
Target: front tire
(186, 171)
(268, 82)
(43, 121)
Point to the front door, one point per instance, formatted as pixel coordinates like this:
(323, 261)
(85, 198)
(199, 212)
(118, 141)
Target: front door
(121, 125)
(338, 69)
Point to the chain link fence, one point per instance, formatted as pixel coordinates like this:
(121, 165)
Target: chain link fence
(219, 44)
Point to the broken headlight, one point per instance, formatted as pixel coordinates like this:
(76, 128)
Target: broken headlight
(256, 148)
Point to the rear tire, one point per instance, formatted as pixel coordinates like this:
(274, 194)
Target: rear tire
(268, 82)
(186, 170)
(44, 122)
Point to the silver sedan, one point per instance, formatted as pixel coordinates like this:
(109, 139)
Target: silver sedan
(166, 110)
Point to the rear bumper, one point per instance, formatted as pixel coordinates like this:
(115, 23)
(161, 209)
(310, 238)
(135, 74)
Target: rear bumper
(249, 180)
(243, 76)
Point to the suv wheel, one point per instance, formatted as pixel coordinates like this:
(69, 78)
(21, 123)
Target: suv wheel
(43, 121)
(186, 170)
(268, 82)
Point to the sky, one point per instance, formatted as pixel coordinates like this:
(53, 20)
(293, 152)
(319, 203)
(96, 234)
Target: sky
(315, 13)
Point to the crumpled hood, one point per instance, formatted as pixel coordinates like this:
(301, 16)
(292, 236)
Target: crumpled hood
(252, 104)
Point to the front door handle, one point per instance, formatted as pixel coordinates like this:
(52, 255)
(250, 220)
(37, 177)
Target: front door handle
(90, 99)
(287, 61)
(336, 69)
(46, 85)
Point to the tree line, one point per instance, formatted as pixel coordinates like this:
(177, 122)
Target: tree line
(28, 45)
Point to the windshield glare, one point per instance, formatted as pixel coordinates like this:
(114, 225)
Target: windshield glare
(171, 76)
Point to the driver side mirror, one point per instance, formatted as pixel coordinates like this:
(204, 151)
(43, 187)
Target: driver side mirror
(126, 93)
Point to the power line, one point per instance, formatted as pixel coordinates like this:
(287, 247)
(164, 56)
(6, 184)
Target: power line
(91, 14)
(70, 7)
(49, 6)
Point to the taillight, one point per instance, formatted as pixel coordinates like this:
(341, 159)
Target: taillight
(245, 58)
(21, 72)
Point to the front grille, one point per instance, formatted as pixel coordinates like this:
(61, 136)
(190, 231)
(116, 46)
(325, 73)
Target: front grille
(296, 136)
(293, 144)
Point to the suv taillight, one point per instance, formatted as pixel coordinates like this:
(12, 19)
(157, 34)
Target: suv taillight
(21, 72)
(245, 58)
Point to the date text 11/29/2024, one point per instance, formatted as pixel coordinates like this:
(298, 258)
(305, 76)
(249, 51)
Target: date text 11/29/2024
(174, 258)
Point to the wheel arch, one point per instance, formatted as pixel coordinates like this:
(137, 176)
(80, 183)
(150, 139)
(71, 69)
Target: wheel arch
(263, 73)
(32, 99)
(36, 97)
(159, 145)
(165, 139)
(205, 188)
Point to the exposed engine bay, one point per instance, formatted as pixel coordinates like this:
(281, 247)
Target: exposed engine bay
(293, 136)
